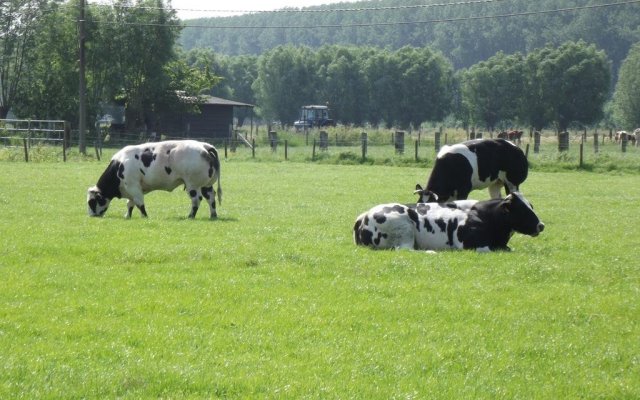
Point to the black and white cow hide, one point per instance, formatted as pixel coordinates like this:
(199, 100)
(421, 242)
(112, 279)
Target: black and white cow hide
(481, 225)
(474, 164)
(136, 170)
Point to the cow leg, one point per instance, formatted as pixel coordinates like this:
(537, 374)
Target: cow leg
(130, 205)
(210, 195)
(195, 202)
(510, 188)
(494, 190)
(137, 200)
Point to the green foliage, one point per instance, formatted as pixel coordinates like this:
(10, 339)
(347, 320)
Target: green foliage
(273, 300)
(627, 93)
(400, 88)
(466, 41)
(552, 81)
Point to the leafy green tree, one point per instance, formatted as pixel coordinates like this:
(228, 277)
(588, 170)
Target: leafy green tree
(382, 75)
(425, 86)
(48, 88)
(573, 80)
(342, 82)
(492, 90)
(19, 27)
(627, 92)
(286, 80)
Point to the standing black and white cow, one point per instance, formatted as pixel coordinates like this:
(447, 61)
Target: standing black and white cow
(136, 170)
(482, 225)
(475, 164)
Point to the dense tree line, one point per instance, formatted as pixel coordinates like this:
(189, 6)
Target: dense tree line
(551, 86)
(133, 60)
(465, 41)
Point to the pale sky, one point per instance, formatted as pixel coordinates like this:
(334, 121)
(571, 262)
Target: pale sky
(184, 6)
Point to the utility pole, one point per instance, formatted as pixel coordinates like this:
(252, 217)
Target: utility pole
(82, 112)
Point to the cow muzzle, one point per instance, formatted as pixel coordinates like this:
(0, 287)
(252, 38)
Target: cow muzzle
(539, 229)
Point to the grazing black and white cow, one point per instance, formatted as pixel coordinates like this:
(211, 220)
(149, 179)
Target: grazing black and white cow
(474, 164)
(136, 170)
(481, 225)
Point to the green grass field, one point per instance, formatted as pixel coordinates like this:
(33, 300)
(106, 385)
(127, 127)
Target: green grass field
(273, 300)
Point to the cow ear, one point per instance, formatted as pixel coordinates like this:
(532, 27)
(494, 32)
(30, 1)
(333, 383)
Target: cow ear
(418, 188)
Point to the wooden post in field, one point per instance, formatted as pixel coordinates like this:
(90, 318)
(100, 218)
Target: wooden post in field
(364, 145)
(324, 141)
(536, 142)
(436, 141)
(526, 152)
(97, 151)
(226, 148)
(581, 155)
(399, 142)
(26, 150)
(313, 152)
(624, 140)
(416, 143)
(253, 148)
(286, 149)
(563, 141)
(595, 143)
(273, 140)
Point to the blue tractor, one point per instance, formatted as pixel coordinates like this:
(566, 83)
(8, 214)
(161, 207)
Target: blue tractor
(313, 117)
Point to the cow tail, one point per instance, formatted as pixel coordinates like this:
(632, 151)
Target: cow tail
(215, 163)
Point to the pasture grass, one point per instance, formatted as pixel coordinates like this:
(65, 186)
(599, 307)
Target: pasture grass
(273, 300)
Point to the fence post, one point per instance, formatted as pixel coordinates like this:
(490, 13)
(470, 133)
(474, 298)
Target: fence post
(416, 144)
(286, 149)
(624, 140)
(324, 140)
(399, 142)
(536, 142)
(253, 148)
(97, 151)
(364, 145)
(563, 141)
(26, 150)
(595, 143)
(313, 152)
(581, 154)
(526, 152)
(436, 140)
(273, 140)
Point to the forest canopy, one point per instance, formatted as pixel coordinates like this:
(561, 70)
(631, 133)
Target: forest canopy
(475, 31)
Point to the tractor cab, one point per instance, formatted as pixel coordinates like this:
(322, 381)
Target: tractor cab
(313, 117)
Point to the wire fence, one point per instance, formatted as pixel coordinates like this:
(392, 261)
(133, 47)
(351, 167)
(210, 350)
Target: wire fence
(589, 150)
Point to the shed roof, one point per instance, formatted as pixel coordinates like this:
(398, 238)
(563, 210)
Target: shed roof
(219, 101)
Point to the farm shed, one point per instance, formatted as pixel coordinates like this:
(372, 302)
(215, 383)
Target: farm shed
(215, 121)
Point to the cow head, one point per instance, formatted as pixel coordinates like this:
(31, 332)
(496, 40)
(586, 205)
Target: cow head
(425, 196)
(521, 215)
(97, 203)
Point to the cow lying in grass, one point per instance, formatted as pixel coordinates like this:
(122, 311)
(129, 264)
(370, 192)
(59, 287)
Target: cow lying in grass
(480, 225)
(136, 170)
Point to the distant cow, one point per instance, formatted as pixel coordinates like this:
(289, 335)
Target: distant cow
(482, 225)
(475, 164)
(514, 136)
(136, 170)
(622, 136)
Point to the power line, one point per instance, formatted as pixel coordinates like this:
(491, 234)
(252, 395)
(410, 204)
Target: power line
(314, 10)
(398, 23)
